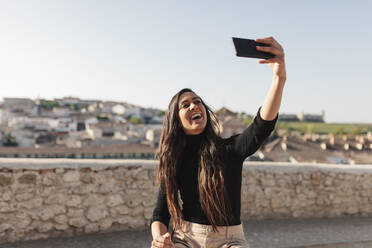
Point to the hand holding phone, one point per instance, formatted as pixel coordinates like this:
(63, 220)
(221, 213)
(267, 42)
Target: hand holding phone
(247, 48)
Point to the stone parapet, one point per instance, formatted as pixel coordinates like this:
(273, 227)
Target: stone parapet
(42, 198)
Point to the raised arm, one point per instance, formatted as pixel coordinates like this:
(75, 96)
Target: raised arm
(273, 98)
(251, 139)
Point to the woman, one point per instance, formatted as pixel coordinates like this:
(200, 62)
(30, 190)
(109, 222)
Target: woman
(200, 173)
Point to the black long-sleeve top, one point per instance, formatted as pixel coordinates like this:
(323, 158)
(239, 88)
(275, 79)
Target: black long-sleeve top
(235, 149)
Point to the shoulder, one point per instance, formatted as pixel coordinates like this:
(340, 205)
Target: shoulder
(226, 143)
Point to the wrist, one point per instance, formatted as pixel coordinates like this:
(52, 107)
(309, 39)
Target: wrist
(280, 78)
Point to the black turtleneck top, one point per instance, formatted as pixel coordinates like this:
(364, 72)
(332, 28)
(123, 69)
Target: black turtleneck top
(234, 151)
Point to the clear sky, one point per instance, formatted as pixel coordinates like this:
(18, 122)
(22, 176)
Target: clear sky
(143, 52)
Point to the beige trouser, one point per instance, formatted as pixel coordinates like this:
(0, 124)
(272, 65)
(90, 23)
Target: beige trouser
(202, 236)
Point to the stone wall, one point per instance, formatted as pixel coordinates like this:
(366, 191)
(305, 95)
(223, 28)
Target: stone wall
(306, 191)
(41, 198)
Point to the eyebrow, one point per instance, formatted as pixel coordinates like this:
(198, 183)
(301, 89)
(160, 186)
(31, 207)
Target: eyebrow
(194, 98)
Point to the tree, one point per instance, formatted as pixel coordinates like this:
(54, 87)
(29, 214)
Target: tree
(9, 140)
(49, 104)
(135, 120)
(161, 113)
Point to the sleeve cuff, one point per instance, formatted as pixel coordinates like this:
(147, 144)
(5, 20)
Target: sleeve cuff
(160, 219)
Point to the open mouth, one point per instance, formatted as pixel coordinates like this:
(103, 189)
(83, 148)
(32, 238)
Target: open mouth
(196, 117)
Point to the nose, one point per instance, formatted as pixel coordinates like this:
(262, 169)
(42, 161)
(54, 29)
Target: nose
(193, 106)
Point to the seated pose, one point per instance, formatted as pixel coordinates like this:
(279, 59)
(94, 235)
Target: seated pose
(200, 173)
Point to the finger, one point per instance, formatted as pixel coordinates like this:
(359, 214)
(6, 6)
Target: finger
(271, 50)
(159, 244)
(167, 235)
(162, 242)
(153, 244)
(162, 245)
(270, 41)
(266, 40)
(267, 61)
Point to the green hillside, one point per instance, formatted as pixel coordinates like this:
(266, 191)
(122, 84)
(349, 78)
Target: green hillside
(325, 128)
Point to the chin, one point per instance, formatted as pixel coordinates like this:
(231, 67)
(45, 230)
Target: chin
(199, 131)
(194, 132)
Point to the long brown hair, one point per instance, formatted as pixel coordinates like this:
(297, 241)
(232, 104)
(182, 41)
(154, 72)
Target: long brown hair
(212, 193)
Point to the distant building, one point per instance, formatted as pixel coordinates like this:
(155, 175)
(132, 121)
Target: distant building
(19, 105)
(224, 114)
(232, 126)
(67, 101)
(118, 151)
(311, 117)
(61, 111)
(153, 136)
(302, 117)
(288, 117)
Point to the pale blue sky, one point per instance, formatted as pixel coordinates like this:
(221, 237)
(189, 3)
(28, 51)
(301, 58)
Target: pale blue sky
(143, 52)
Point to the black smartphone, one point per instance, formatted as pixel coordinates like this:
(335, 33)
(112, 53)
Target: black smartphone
(247, 48)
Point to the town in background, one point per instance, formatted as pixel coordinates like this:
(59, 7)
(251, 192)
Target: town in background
(71, 127)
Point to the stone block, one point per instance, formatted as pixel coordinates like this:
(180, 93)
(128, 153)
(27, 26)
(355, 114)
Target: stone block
(73, 201)
(148, 214)
(72, 212)
(87, 178)
(137, 223)
(61, 227)
(120, 173)
(145, 185)
(71, 176)
(24, 196)
(268, 192)
(28, 178)
(108, 187)
(105, 224)
(23, 223)
(91, 227)
(46, 214)
(124, 220)
(352, 210)
(32, 204)
(103, 177)
(58, 198)
(83, 189)
(5, 180)
(276, 203)
(47, 191)
(61, 219)
(6, 207)
(93, 200)
(60, 170)
(140, 174)
(137, 212)
(119, 210)
(148, 201)
(6, 196)
(96, 213)
(4, 227)
(114, 200)
(49, 212)
(78, 222)
(133, 201)
(44, 227)
(51, 179)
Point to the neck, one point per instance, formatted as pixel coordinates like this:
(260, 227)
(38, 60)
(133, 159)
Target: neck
(194, 139)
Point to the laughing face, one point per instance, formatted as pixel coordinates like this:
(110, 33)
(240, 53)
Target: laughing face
(192, 113)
